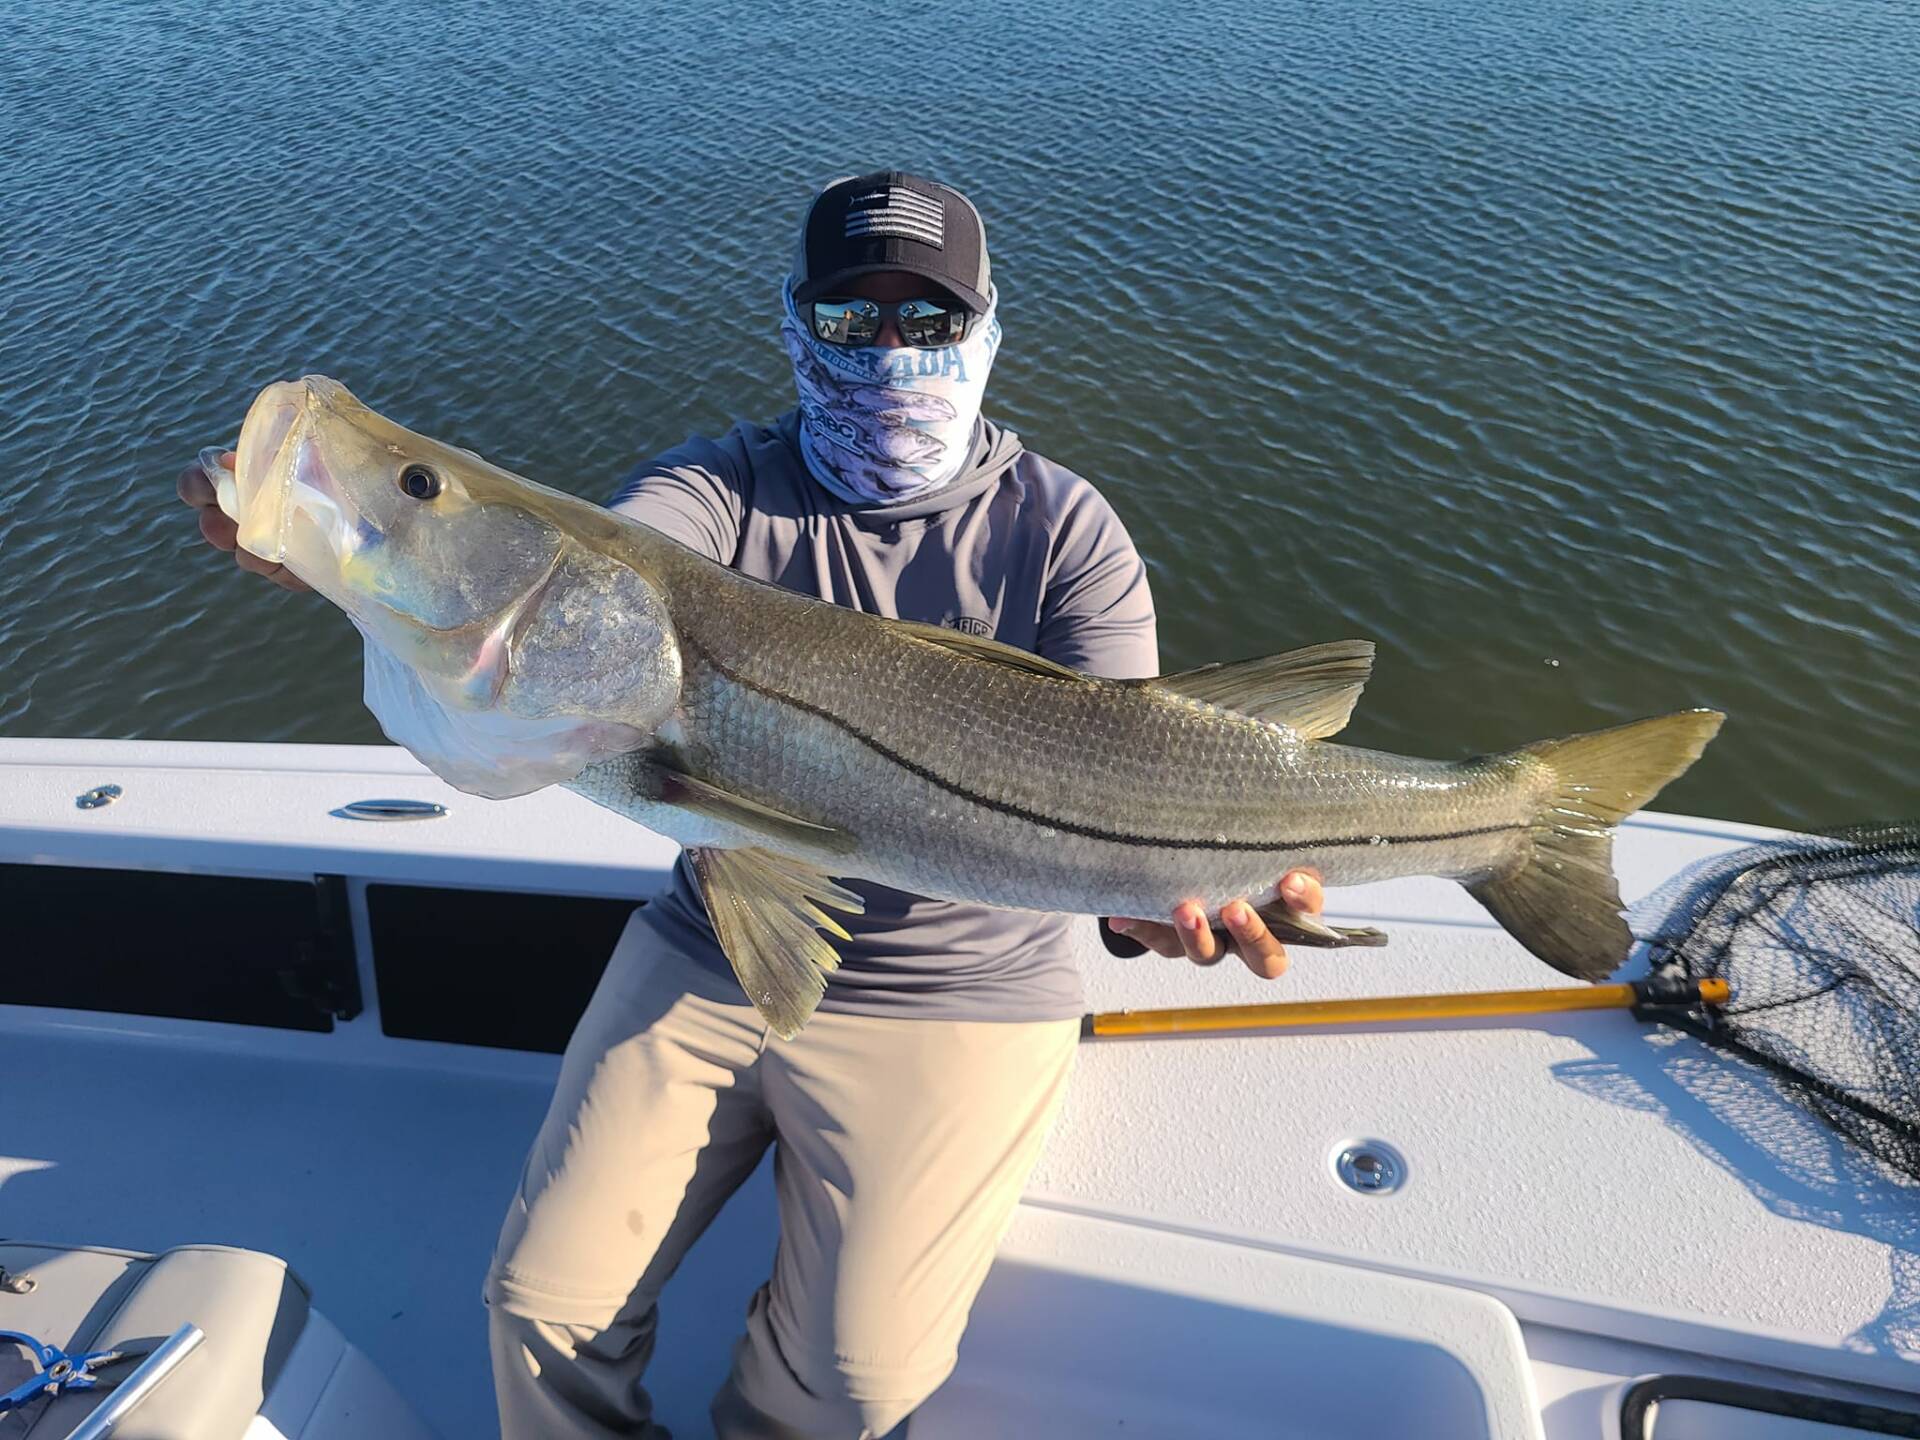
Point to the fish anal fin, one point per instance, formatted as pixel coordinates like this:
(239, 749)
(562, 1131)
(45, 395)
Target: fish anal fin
(1294, 927)
(703, 797)
(992, 652)
(1311, 691)
(768, 910)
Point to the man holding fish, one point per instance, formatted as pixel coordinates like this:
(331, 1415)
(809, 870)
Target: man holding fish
(913, 1106)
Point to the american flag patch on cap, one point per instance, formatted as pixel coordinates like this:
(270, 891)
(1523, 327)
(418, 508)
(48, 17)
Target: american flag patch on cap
(895, 210)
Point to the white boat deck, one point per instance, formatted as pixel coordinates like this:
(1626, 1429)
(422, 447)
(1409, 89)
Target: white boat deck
(1586, 1200)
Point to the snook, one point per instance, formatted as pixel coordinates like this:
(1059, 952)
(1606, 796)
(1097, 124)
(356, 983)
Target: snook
(518, 637)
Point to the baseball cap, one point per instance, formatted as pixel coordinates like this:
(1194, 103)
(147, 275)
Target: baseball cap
(891, 220)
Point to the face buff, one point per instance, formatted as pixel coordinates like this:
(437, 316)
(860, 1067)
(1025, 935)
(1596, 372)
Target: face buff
(880, 426)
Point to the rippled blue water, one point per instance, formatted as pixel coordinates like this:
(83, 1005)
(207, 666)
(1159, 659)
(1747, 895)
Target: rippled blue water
(1570, 351)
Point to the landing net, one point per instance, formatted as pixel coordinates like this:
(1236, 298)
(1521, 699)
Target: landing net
(1819, 940)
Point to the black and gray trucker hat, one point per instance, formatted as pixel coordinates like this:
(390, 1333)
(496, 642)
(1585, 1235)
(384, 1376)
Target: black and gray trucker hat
(890, 220)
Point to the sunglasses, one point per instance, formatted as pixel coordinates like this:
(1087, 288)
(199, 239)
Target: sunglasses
(924, 324)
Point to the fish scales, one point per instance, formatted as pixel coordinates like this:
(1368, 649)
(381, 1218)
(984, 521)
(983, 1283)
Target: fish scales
(1033, 773)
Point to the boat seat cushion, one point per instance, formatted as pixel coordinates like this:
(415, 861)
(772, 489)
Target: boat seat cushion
(251, 1306)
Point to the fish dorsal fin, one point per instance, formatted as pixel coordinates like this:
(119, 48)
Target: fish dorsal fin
(1311, 691)
(979, 647)
(768, 910)
(703, 797)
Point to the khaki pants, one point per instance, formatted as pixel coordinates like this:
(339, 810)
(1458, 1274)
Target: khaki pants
(901, 1149)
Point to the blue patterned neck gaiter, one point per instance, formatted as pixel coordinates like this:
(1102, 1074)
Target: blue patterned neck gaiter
(881, 426)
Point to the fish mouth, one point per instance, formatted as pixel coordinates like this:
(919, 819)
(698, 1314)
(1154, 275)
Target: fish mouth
(279, 468)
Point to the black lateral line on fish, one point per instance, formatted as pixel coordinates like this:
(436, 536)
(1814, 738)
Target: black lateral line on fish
(1071, 827)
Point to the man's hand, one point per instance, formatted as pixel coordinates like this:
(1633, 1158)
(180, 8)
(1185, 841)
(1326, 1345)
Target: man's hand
(1190, 935)
(222, 533)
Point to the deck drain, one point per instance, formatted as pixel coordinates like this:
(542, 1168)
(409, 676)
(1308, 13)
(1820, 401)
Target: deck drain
(1369, 1167)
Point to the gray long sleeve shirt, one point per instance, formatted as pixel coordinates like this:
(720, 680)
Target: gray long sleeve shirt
(1015, 547)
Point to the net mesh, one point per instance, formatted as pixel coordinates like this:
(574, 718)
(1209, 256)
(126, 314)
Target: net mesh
(1819, 941)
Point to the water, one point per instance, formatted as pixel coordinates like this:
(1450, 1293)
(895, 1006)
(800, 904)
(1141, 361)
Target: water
(1571, 352)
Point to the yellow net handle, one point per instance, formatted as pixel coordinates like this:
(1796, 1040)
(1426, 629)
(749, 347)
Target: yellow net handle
(1389, 1008)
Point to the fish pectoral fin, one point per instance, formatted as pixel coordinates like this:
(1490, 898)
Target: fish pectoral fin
(768, 910)
(979, 647)
(1311, 691)
(703, 797)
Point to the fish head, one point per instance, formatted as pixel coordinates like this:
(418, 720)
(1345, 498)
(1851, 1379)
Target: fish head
(506, 647)
(387, 524)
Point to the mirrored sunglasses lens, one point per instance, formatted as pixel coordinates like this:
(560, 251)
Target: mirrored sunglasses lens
(929, 322)
(846, 322)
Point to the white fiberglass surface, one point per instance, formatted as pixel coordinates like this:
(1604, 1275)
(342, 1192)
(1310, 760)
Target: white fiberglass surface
(1556, 1161)
(1101, 1329)
(1584, 1154)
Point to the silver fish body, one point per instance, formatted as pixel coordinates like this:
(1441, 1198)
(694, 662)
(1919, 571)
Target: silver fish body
(519, 637)
(965, 779)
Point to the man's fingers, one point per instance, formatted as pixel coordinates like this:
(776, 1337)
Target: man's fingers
(277, 573)
(1196, 936)
(194, 488)
(1264, 955)
(222, 534)
(1302, 890)
(218, 531)
(1192, 936)
(253, 564)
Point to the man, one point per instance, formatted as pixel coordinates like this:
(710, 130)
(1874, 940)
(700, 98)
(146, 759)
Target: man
(910, 1111)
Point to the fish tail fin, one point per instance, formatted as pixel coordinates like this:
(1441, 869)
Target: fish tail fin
(1561, 900)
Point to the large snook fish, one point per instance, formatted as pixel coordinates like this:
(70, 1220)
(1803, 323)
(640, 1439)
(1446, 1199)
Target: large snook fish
(517, 637)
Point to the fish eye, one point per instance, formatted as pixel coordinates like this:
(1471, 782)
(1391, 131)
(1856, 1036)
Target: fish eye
(420, 482)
